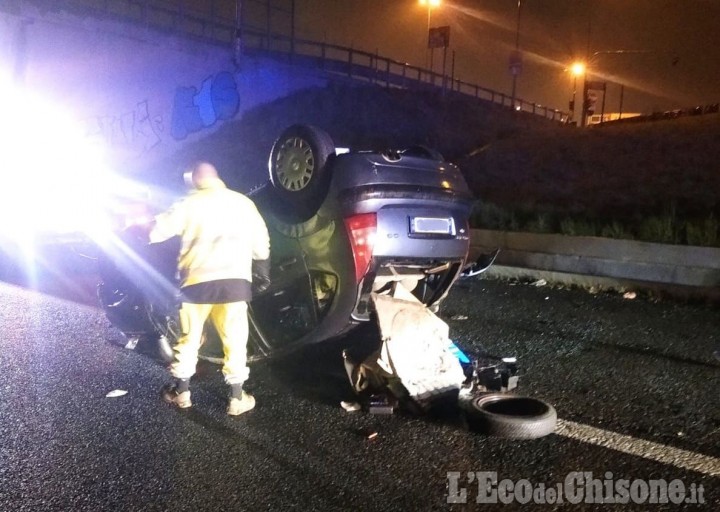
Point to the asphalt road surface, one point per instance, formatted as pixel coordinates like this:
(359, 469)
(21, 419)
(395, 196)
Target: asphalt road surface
(634, 383)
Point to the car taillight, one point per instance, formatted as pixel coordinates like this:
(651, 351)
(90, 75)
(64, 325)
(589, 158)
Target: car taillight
(361, 230)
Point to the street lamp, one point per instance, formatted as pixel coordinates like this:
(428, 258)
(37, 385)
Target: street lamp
(577, 69)
(430, 5)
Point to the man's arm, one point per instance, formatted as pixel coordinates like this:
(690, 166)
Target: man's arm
(167, 224)
(260, 239)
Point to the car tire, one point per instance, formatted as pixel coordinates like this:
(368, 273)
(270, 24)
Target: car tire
(510, 416)
(298, 170)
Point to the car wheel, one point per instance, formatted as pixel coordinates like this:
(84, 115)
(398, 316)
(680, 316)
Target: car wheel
(298, 169)
(510, 416)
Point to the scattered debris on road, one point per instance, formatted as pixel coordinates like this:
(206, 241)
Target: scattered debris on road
(116, 393)
(418, 368)
(381, 404)
(350, 406)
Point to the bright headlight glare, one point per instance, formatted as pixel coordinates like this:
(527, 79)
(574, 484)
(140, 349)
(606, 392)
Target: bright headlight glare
(54, 177)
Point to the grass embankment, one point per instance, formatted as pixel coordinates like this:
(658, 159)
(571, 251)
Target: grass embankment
(656, 181)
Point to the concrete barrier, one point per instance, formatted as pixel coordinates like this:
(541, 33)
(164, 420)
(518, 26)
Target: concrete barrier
(602, 262)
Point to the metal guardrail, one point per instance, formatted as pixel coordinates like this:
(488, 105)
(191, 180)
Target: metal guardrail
(210, 20)
(214, 21)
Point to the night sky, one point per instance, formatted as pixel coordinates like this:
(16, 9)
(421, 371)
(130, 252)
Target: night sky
(679, 39)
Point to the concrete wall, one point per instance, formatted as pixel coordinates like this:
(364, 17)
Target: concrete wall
(144, 93)
(602, 262)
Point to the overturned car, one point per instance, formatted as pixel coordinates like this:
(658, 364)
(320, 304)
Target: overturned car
(343, 225)
(355, 236)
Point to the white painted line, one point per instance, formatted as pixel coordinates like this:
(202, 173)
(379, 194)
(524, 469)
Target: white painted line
(639, 447)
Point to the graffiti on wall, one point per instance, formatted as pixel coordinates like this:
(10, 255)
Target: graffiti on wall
(135, 131)
(138, 131)
(194, 110)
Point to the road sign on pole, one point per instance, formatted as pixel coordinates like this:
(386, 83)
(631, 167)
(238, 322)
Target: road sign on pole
(439, 37)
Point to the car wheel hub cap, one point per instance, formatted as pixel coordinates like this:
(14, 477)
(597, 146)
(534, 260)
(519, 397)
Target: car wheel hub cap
(295, 164)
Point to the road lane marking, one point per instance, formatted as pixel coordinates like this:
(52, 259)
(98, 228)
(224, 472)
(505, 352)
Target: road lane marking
(640, 447)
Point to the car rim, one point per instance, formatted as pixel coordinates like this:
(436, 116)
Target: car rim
(295, 164)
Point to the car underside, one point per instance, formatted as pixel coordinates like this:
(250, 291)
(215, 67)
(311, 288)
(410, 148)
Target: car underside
(343, 225)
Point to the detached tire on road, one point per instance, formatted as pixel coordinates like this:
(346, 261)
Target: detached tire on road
(298, 169)
(509, 416)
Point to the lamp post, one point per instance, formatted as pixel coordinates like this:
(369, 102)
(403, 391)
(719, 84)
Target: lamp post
(577, 69)
(430, 5)
(516, 59)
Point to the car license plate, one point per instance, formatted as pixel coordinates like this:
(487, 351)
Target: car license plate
(432, 225)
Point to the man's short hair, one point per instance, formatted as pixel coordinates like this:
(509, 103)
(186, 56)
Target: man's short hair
(198, 172)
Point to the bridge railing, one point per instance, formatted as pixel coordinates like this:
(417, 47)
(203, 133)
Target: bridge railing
(373, 68)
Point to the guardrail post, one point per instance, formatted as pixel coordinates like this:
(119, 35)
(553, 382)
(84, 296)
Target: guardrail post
(292, 28)
(180, 16)
(268, 17)
(144, 11)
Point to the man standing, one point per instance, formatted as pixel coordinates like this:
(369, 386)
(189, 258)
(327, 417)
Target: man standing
(224, 246)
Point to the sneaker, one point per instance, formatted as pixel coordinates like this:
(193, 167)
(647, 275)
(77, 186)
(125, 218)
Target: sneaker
(241, 405)
(180, 400)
